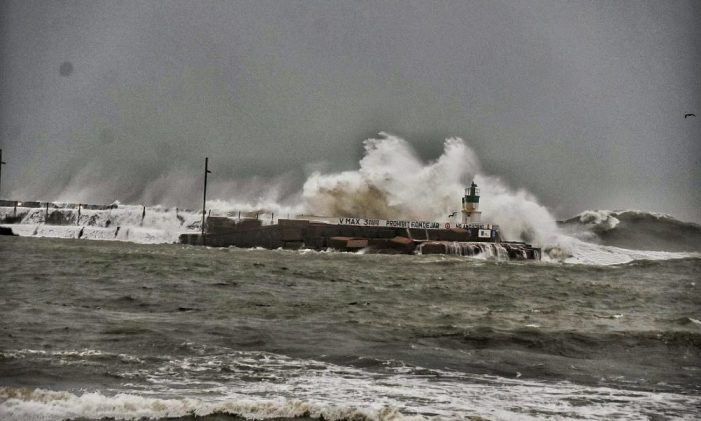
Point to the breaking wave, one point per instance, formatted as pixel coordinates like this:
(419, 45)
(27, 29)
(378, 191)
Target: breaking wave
(635, 229)
(40, 404)
(392, 182)
(253, 385)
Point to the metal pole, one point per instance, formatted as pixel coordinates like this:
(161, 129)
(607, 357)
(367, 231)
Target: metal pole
(1, 164)
(204, 198)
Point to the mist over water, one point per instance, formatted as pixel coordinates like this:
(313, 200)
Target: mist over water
(391, 182)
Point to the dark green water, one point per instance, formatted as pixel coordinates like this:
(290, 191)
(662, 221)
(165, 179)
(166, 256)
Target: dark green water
(101, 329)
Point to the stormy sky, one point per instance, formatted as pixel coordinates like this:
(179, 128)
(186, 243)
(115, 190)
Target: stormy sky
(580, 102)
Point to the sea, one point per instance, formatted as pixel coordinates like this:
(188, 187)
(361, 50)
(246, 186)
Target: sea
(98, 323)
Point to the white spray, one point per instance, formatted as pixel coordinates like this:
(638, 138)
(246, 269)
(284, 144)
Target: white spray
(392, 182)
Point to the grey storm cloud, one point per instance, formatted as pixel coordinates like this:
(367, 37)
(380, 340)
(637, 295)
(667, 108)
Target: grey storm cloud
(582, 102)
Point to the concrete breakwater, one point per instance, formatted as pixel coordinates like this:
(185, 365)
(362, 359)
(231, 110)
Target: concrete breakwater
(300, 233)
(137, 223)
(167, 225)
(50, 213)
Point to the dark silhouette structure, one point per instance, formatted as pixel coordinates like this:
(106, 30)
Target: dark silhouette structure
(204, 198)
(1, 164)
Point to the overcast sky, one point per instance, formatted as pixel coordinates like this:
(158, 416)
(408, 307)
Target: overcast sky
(580, 102)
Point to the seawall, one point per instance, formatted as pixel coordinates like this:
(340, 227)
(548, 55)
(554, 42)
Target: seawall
(298, 233)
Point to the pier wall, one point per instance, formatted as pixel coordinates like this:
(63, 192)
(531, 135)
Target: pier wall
(295, 234)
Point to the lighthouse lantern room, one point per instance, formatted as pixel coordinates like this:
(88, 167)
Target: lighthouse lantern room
(470, 205)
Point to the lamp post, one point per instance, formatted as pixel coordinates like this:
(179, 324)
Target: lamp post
(204, 198)
(1, 164)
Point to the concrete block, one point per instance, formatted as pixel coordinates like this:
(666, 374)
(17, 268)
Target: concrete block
(433, 248)
(291, 233)
(338, 242)
(357, 243)
(191, 239)
(401, 240)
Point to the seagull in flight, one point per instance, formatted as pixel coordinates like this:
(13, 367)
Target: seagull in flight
(689, 115)
(453, 214)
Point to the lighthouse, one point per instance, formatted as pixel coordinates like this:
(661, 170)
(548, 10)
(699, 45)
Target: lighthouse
(470, 205)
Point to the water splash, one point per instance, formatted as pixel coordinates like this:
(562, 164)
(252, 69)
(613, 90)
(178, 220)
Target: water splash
(393, 182)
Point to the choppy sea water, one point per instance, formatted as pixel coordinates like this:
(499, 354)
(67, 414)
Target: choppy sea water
(93, 330)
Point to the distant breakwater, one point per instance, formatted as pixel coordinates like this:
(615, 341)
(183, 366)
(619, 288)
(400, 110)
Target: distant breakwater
(140, 223)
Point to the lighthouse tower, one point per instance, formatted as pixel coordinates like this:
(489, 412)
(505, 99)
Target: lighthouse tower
(470, 205)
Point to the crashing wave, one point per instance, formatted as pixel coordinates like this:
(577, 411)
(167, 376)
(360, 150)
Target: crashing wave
(393, 182)
(635, 229)
(40, 404)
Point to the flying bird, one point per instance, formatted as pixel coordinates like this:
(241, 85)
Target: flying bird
(689, 115)
(453, 214)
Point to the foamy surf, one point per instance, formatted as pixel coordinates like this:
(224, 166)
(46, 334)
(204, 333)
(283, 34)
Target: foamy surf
(575, 251)
(289, 388)
(41, 404)
(512, 400)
